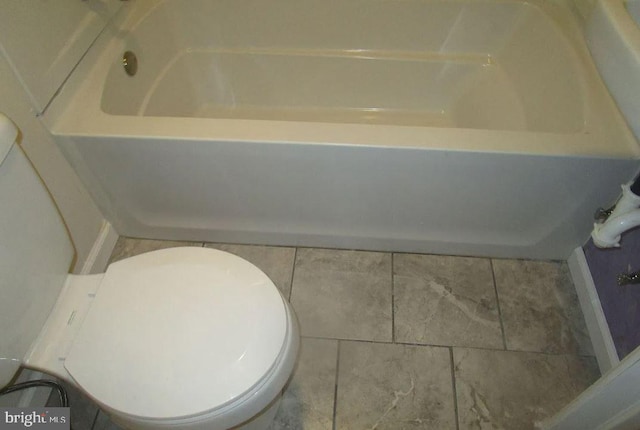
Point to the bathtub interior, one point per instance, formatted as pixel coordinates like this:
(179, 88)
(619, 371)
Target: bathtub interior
(485, 64)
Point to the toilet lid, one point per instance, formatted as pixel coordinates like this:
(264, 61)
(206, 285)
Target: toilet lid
(178, 332)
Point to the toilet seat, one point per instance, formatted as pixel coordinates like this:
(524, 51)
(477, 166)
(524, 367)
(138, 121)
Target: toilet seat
(177, 333)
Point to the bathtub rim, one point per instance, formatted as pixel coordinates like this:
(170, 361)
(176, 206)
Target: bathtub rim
(363, 135)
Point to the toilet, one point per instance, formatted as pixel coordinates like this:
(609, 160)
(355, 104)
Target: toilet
(180, 338)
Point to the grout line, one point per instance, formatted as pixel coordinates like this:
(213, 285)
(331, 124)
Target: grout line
(345, 339)
(95, 419)
(431, 345)
(495, 289)
(380, 251)
(393, 301)
(453, 386)
(335, 387)
(293, 271)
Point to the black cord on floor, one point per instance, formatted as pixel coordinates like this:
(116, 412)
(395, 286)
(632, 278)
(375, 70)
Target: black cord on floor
(62, 393)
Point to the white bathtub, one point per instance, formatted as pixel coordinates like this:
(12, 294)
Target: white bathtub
(460, 127)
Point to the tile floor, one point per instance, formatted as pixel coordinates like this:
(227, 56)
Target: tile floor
(405, 341)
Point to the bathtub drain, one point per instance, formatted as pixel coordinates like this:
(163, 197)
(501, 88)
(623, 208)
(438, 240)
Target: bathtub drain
(130, 63)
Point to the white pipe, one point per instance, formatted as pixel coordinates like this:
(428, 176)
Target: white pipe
(627, 202)
(607, 235)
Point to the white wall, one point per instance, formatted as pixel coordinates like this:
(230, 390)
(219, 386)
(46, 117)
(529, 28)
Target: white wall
(81, 215)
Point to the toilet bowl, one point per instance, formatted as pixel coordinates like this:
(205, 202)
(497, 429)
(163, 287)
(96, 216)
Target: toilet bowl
(179, 338)
(191, 338)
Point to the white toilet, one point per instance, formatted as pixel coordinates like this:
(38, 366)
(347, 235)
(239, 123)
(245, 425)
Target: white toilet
(182, 338)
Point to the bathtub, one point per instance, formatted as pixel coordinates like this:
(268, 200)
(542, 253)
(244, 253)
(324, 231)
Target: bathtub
(441, 126)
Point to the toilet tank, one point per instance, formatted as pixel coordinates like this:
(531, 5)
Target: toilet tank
(35, 253)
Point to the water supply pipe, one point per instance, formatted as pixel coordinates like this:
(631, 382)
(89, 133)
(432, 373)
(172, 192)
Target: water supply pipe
(625, 216)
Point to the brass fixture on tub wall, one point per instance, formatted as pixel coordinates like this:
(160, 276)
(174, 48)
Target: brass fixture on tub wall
(130, 63)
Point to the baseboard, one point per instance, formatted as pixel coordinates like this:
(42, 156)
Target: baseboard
(101, 250)
(601, 339)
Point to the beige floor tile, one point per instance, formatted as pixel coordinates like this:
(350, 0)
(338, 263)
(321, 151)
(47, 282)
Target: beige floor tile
(443, 300)
(343, 294)
(309, 397)
(394, 387)
(540, 309)
(104, 423)
(513, 390)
